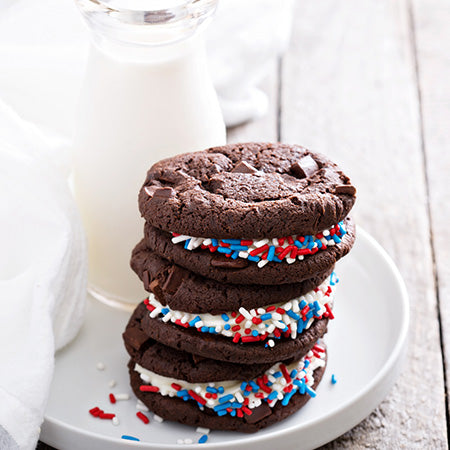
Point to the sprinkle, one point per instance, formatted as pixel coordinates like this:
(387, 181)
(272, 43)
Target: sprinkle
(100, 366)
(196, 397)
(145, 388)
(112, 399)
(106, 416)
(226, 398)
(112, 383)
(203, 439)
(158, 418)
(95, 411)
(202, 430)
(130, 438)
(141, 407)
(333, 379)
(143, 417)
(188, 441)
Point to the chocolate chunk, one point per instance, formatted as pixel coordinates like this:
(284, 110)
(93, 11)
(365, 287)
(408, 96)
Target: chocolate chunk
(155, 287)
(259, 413)
(345, 189)
(135, 337)
(228, 263)
(243, 167)
(305, 167)
(146, 280)
(175, 278)
(162, 193)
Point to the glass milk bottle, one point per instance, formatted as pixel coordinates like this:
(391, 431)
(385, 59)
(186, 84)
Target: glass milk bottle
(147, 95)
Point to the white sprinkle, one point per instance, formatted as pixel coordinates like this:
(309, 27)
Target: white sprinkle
(290, 260)
(100, 366)
(199, 324)
(276, 316)
(202, 430)
(262, 263)
(112, 383)
(239, 397)
(243, 254)
(207, 242)
(279, 324)
(198, 389)
(167, 317)
(326, 232)
(141, 407)
(180, 441)
(145, 378)
(158, 418)
(155, 312)
(248, 324)
(271, 378)
(271, 342)
(184, 319)
(295, 307)
(218, 329)
(253, 312)
(178, 239)
(245, 313)
(280, 396)
(287, 306)
(188, 441)
(271, 328)
(122, 397)
(275, 242)
(115, 421)
(261, 311)
(261, 243)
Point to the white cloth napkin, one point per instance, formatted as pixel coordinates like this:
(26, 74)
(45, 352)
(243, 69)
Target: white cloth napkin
(43, 48)
(42, 273)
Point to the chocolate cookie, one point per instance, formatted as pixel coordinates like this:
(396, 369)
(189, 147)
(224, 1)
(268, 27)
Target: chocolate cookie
(241, 271)
(184, 290)
(252, 190)
(188, 412)
(224, 349)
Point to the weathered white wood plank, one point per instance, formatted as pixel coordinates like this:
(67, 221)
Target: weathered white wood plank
(264, 128)
(348, 90)
(431, 21)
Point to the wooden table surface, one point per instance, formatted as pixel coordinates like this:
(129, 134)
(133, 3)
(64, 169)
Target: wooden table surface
(367, 82)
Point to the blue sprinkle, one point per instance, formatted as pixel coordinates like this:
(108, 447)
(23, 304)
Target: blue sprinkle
(222, 412)
(204, 329)
(303, 304)
(292, 314)
(319, 243)
(333, 379)
(298, 382)
(300, 326)
(212, 330)
(215, 242)
(222, 406)
(310, 391)
(298, 244)
(203, 439)
(276, 259)
(227, 326)
(277, 374)
(328, 238)
(225, 317)
(311, 245)
(235, 254)
(287, 397)
(316, 305)
(239, 248)
(246, 393)
(310, 314)
(265, 316)
(165, 311)
(221, 389)
(182, 393)
(243, 385)
(254, 333)
(211, 390)
(233, 413)
(194, 321)
(224, 250)
(293, 373)
(254, 386)
(236, 405)
(186, 244)
(129, 438)
(306, 364)
(232, 241)
(269, 383)
(271, 253)
(186, 398)
(272, 396)
(226, 398)
(253, 258)
(336, 239)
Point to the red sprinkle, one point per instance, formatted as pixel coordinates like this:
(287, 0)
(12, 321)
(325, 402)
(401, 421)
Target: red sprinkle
(143, 417)
(270, 308)
(236, 328)
(233, 314)
(106, 416)
(146, 388)
(250, 338)
(247, 331)
(247, 410)
(290, 240)
(240, 318)
(259, 250)
(95, 411)
(330, 313)
(288, 388)
(285, 373)
(112, 399)
(256, 320)
(281, 311)
(197, 397)
(246, 242)
(176, 386)
(240, 413)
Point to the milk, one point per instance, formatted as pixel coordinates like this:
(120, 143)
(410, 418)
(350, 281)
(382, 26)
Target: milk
(136, 108)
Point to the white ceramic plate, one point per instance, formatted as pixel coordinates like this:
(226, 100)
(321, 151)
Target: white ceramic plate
(366, 345)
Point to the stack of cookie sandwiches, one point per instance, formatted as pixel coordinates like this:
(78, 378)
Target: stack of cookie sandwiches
(238, 253)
